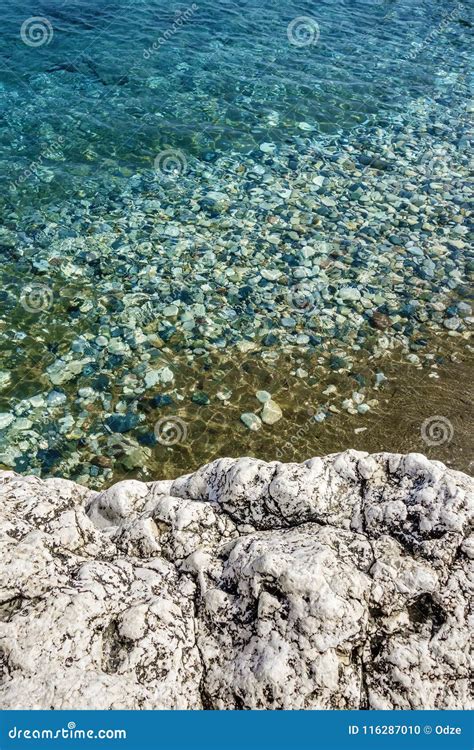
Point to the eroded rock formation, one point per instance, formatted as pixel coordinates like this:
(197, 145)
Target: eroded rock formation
(342, 582)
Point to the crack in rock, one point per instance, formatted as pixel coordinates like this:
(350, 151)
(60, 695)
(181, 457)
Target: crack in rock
(344, 582)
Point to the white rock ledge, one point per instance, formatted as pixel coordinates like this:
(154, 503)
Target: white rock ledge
(342, 582)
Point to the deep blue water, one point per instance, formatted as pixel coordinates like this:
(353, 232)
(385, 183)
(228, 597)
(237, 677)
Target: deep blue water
(225, 79)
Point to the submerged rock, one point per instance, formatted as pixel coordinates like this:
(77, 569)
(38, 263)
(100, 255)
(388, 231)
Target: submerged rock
(341, 582)
(5, 379)
(122, 422)
(271, 412)
(5, 420)
(251, 420)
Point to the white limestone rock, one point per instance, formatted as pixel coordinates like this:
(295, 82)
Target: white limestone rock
(342, 582)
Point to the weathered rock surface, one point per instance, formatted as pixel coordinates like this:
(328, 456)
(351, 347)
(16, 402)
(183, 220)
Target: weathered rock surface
(342, 582)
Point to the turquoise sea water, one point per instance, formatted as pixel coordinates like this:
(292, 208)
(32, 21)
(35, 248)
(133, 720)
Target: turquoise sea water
(225, 80)
(186, 178)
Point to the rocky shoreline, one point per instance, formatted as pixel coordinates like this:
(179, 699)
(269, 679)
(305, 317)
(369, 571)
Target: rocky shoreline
(338, 583)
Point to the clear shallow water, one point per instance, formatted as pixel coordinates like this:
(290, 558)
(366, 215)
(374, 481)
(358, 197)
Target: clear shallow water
(146, 188)
(226, 80)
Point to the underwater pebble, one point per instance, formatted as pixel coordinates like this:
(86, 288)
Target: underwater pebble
(170, 311)
(302, 339)
(152, 377)
(201, 398)
(61, 372)
(271, 412)
(37, 400)
(452, 324)
(251, 420)
(224, 394)
(56, 398)
(349, 293)
(165, 375)
(5, 420)
(464, 309)
(270, 275)
(122, 423)
(5, 379)
(23, 424)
